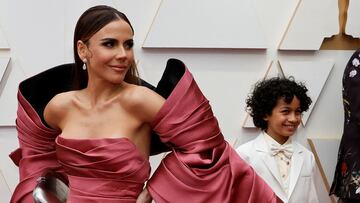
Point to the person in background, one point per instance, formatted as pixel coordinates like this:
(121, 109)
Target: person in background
(276, 106)
(346, 182)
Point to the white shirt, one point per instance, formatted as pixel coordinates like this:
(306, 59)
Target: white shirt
(282, 161)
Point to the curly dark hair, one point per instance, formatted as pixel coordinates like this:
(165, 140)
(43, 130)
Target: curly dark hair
(266, 93)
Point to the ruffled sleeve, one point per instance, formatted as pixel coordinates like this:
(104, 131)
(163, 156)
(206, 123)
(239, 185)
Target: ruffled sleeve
(36, 152)
(202, 167)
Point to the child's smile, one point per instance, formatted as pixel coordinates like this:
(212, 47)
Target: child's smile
(284, 120)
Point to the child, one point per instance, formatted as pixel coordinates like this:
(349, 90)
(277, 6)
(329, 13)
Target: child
(276, 106)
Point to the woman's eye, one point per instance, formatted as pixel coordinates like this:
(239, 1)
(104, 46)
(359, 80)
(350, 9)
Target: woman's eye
(109, 44)
(129, 45)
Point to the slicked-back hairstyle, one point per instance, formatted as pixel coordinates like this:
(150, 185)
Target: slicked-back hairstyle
(266, 94)
(89, 23)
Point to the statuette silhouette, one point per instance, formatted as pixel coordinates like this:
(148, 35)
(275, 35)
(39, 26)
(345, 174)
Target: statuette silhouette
(341, 41)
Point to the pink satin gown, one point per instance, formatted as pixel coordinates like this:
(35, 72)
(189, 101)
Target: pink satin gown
(202, 166)
(102, 170)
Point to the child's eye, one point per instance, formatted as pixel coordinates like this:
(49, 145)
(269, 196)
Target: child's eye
(298, 112)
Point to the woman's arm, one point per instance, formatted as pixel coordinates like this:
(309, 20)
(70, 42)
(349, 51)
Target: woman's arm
(144, 197)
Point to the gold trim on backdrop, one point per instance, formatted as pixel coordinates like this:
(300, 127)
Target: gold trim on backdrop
(340, 42)
(322, 173)
(281, 69)
(152, 22)
(247, 116)
(3, 178)
(288, 25)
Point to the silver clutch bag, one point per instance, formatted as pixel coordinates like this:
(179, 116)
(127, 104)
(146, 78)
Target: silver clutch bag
(50, 189)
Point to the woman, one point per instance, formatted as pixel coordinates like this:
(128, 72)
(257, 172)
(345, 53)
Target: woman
(104, 129)
(110, 116)
(346, 182)
(104, 112)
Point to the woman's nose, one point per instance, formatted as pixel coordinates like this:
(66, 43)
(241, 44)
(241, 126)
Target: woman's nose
(121, 52)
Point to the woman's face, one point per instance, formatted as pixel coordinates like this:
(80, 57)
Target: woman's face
(110, 52)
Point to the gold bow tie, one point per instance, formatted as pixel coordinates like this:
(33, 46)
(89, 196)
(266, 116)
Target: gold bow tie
(286, 149)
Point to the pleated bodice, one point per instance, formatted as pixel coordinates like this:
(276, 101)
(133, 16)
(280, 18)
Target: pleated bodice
(102, 170)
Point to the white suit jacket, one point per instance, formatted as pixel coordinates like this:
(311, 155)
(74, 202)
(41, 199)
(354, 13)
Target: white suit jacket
(301, 186)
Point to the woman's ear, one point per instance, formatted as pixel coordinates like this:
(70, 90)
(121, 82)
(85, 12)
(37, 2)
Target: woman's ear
(81, 49)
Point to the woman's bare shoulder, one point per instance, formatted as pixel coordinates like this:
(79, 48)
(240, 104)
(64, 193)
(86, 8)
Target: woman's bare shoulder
(56, 108)
(144, 102)
(141, 91)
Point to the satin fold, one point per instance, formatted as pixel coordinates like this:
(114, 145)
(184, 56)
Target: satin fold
(36, 152)
(102, 170)
(202, 167)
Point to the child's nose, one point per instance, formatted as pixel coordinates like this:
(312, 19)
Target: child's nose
(293, 117)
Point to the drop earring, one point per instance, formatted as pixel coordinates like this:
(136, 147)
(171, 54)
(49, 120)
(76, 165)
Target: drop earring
(84, 65)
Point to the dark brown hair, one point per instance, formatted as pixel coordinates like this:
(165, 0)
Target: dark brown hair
(266, 94)
(90, 22)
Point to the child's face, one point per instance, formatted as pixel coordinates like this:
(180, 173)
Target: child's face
(284, 120)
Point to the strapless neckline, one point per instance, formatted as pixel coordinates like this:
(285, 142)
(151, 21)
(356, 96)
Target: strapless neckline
(99, 141)
(94, 139)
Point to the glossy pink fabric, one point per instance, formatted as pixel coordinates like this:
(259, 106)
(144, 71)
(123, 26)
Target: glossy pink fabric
(203, 167)
(102, 170)
(36, 152)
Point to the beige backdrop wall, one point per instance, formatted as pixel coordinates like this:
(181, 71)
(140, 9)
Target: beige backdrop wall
(228, 45)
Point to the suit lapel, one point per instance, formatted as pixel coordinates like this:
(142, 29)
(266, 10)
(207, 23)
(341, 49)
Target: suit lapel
(297, 161)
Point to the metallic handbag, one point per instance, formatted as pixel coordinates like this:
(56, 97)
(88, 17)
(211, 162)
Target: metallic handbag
(50, 189)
